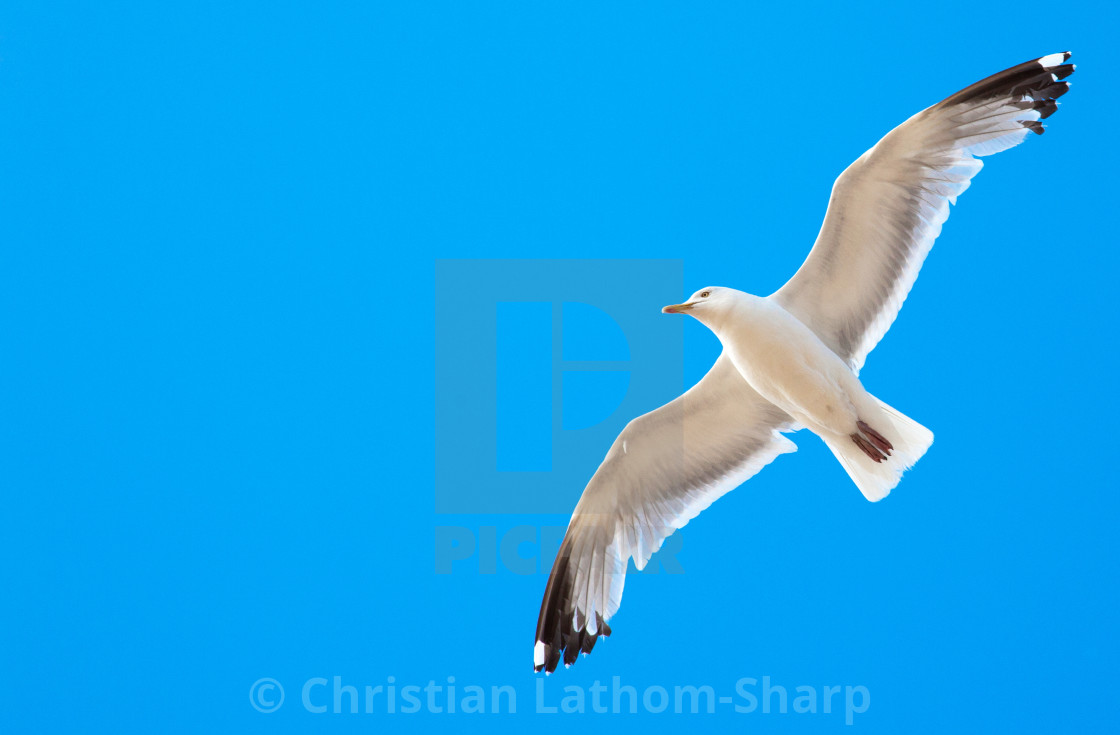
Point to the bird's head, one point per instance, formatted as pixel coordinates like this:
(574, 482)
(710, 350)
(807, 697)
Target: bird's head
(707, 304)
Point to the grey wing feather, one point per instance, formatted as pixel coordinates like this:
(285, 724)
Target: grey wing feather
(887, 208)
(663, 470)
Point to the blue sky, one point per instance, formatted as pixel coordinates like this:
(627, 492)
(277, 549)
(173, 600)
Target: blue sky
(219, 230)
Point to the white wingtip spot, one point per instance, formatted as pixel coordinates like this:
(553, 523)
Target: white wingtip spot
(538, 654)
(1053, 59)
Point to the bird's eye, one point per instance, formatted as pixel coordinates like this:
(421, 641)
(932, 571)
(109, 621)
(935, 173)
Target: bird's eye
(705, 294)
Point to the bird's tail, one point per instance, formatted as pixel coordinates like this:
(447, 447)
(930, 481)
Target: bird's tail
(880, 450)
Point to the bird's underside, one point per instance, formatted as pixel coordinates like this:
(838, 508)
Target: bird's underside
(885, 211)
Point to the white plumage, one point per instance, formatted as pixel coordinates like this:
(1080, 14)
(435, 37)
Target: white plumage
(791, 360)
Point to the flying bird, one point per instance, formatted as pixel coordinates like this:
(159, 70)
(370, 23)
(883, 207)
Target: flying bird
(791, 360)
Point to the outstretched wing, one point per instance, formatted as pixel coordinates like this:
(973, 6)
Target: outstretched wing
(887, 208)
(660, 473)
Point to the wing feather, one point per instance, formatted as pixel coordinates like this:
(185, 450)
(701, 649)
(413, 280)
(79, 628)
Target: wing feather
(662, 471)
(887, 208)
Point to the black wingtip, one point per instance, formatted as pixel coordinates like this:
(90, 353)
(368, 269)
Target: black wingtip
(1063, 71)
(1045, 107)
(557, 637)
(1037, 79)
(569, 646)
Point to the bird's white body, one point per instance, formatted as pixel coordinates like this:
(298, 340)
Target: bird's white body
(788, 364)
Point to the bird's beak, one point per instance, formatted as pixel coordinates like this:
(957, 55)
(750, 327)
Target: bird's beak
(676, 308)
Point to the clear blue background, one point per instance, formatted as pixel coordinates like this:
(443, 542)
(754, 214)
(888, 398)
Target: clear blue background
(218, 226)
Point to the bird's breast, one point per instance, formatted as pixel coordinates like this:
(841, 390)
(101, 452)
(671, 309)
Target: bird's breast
(785, 361)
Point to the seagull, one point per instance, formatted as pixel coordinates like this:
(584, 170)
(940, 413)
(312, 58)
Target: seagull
(791, 360)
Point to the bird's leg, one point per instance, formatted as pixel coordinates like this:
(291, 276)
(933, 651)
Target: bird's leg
(868, 448)
(876, 438)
